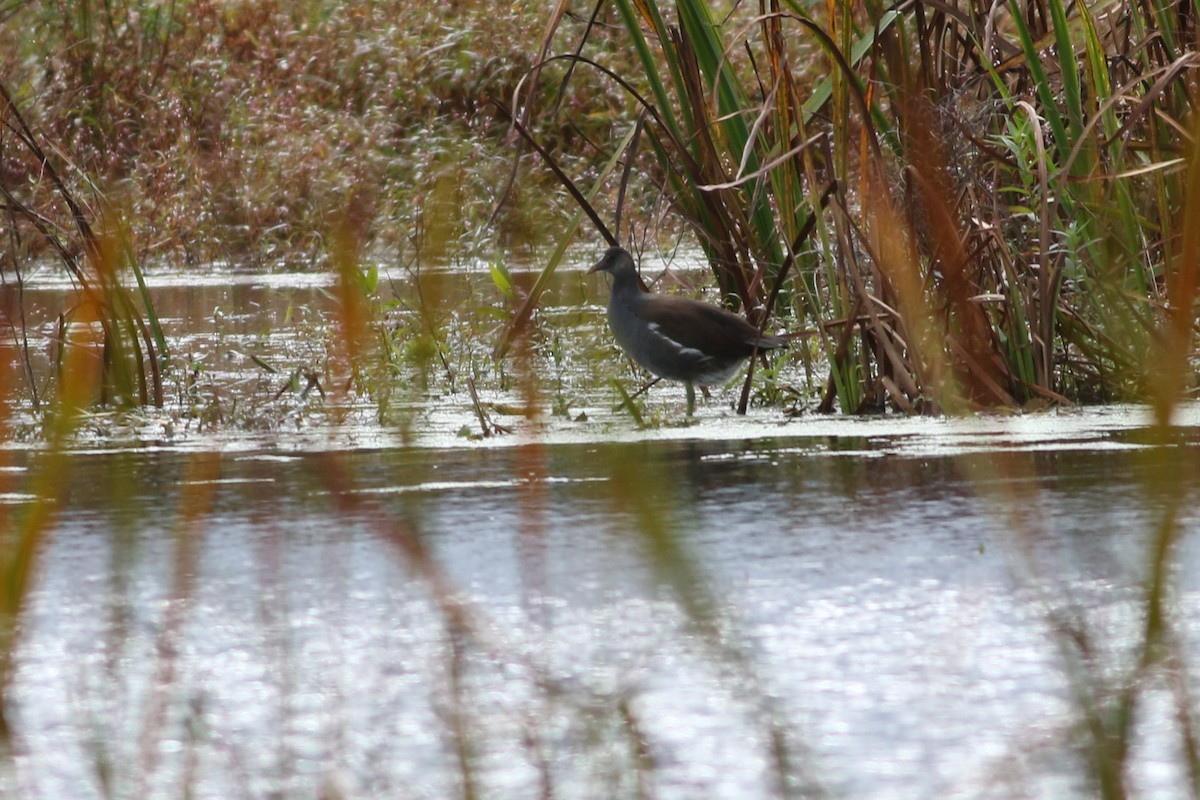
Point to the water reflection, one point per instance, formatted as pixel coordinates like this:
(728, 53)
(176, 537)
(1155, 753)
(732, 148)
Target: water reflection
(651, 613)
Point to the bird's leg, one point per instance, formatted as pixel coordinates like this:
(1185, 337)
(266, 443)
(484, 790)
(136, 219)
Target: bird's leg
(691, 397)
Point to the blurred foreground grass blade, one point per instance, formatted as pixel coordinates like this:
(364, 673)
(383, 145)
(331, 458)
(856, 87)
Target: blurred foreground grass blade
(353, 313)
(892, 250)
(861, 47)
(198, 492)
(652, 512)
(82, 374)
(1172, 373)
(1113, 725)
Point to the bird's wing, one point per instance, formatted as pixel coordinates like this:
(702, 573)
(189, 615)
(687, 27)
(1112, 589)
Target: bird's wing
(703, 327)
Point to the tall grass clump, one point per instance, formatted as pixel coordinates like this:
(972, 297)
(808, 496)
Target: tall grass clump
(42, 211)
(997, 185)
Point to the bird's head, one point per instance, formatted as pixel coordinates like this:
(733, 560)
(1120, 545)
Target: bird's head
(616, 262)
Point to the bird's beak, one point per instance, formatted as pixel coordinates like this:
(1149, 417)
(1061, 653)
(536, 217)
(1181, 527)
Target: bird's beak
(599, 265)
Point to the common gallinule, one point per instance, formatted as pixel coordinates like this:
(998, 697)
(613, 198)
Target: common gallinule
(673, 337)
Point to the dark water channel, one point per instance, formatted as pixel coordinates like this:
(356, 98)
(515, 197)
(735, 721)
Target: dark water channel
(592, 610)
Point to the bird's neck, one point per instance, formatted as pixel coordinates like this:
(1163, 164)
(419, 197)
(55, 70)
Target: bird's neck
(626, 282)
